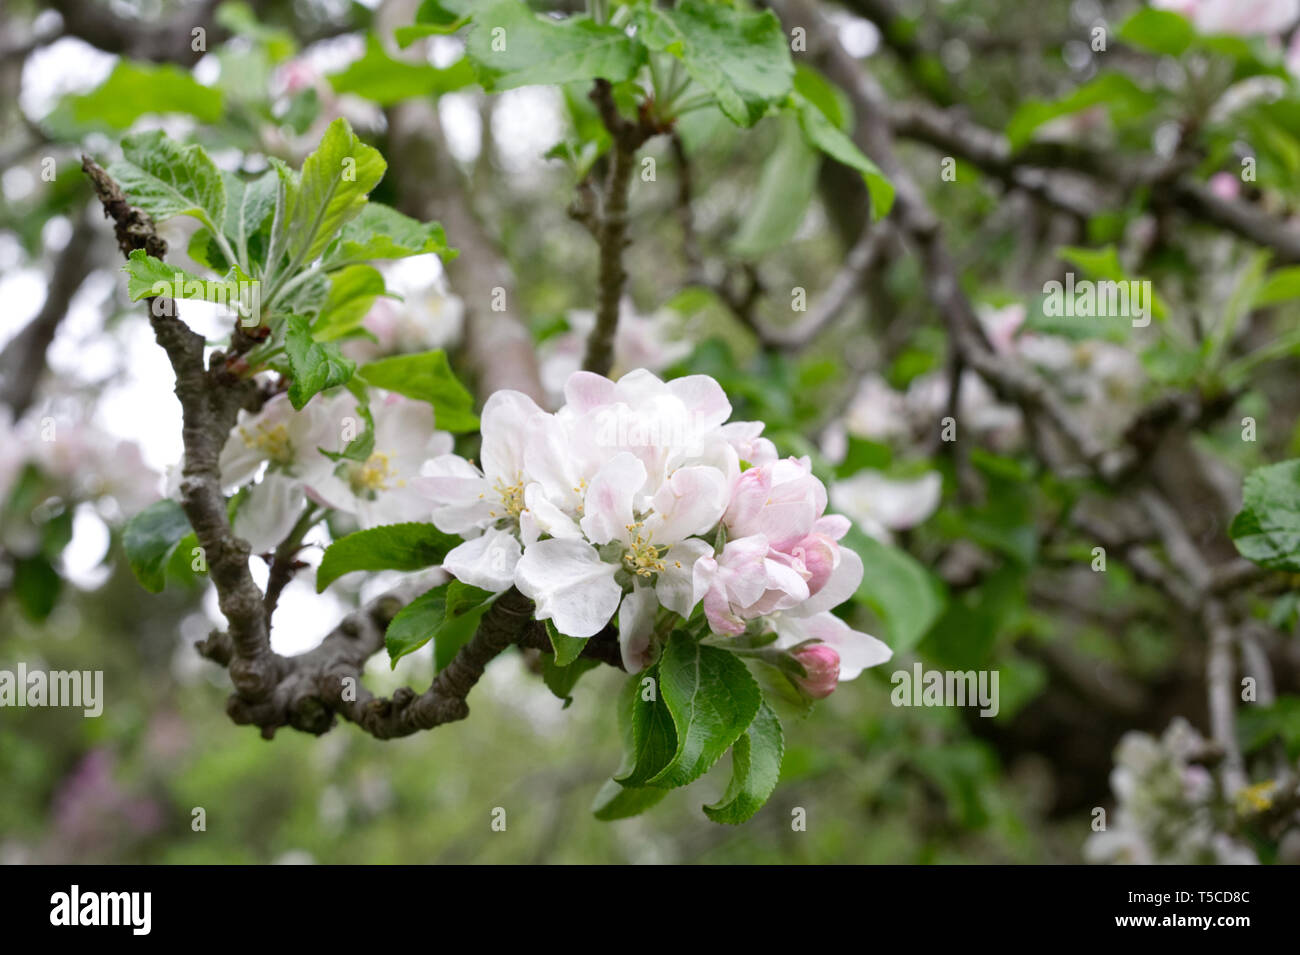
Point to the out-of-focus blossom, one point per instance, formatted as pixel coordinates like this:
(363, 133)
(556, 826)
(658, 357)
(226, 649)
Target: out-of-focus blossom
(880, 505)
(1238, 17)
(1168, 810)
(641, 341)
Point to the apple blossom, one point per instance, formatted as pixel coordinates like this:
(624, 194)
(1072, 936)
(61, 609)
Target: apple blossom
(611, 509)
(379, 490)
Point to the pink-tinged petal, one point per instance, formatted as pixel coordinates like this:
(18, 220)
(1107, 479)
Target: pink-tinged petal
(509, 420)
(843, 583)
(742, 567)
(607, 509)
(818, 555)
(570, 585)
(488, 562)
(676, 584)
(857, 651)
(704, 399)
(636, 623)
(690, 502)
(717, 609)
(747, 499)
(586, 391)
(834, 526)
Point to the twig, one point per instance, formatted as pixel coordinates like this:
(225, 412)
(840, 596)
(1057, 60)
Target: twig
(611, 227)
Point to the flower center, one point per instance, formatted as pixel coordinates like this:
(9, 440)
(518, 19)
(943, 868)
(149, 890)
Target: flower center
(641, 556)
(512, 497)
(375, 474)
(273, 442)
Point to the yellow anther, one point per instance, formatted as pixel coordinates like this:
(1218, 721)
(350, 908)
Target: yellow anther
(374, 474)
(512, 496)
(273, 442)
(642, 557)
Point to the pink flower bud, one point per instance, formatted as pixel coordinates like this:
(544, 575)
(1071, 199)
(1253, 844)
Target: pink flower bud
(822, 665)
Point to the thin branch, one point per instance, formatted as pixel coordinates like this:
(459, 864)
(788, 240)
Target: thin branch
(611, 224)
(23, 359)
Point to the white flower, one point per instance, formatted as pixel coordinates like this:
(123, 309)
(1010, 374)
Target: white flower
(380, 490)
(627, 526)
(879, 504)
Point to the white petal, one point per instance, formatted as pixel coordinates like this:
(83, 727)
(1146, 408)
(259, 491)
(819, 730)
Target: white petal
(607, 508)
(508, 421)
(268, 514)
(460, 498)
(690, 502)
(636, 623)
(487, 562)
(549, 518)
(675, 586)
(570, 585)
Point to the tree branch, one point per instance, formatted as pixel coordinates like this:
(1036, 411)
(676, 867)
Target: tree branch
(611, 225)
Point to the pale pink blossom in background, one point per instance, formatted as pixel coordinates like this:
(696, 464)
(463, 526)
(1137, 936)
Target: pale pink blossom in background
(1239, 17)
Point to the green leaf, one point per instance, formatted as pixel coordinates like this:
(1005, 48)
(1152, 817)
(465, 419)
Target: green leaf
(1160, 31)
(166, 179)
(426, 376)
(447, 614)
(36, 585)
(465, 608)
(330, 191)
(150, 277)
(567, 649)
(826, 136)
(353, 291)
(380, 78)
(250, 203)
(134, 90)
(1282, 285)
(315, 366)
(755, 769)
(510, 46)
(785, 190)
(711, 697)
(741, 58)
(648, 735)
(381, 232)
(560, 680)
(390, 547)
(906, 597)
(622, 802)
(1121, 96)
(1267, 530)
(150, 538)
(435, 18)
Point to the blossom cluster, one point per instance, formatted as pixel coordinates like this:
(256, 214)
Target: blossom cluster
(639, 500)
(1168, 809)
(297, 456)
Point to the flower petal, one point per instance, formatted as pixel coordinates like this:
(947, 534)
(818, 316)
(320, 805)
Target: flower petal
(675, 586)
(636, 623)
(607, 509)
(487, 562)
(570, 585)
